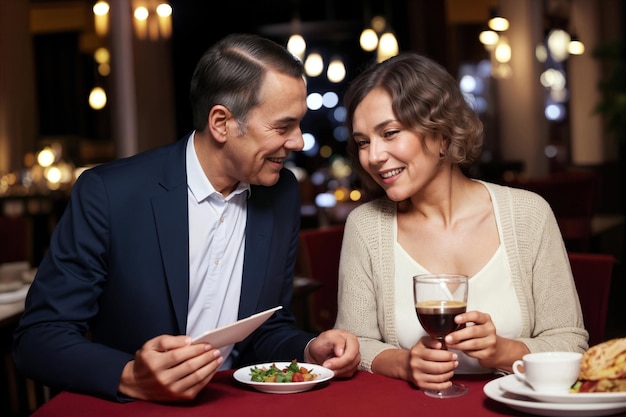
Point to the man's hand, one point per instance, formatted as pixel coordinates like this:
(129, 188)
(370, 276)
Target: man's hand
(337, 350)
(169, 368)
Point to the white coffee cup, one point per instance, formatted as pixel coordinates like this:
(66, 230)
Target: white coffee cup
(549, 371)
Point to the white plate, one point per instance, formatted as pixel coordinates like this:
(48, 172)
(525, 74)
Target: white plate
(528, 405)
(323, 374)
(512, 384)
(14, 296)
(235, 332)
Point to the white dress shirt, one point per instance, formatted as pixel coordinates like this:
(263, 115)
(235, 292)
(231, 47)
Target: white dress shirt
(216, 249)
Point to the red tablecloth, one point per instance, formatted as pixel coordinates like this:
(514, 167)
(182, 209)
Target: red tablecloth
(362, 396)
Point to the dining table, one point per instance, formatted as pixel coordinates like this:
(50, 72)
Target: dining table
(363, 395)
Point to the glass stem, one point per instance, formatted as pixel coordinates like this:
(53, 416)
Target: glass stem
(443, 344)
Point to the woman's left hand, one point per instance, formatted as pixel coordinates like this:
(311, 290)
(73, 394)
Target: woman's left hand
(477, 339)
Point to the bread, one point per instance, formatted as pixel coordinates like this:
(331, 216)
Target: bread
(605, 360)
(610, 385)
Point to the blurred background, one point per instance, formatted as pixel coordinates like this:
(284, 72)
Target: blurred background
(83, 82)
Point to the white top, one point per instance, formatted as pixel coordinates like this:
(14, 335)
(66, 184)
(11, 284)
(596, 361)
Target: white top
(216, 247)
(491, 291)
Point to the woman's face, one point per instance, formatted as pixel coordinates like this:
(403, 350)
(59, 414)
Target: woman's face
(401, 160)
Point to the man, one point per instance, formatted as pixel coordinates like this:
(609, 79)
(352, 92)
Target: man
(160, 247)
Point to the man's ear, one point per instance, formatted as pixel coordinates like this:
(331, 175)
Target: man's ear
(218, 122)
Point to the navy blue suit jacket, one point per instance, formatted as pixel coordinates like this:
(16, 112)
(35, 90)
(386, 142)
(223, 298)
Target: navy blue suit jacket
(117, 274)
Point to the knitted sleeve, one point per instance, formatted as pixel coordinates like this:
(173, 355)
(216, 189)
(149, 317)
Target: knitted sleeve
(364, 295)
(551, 312)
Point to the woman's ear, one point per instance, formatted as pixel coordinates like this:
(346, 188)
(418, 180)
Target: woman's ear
(218, 122)
(443, 146)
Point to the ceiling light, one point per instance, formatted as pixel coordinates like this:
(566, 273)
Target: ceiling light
(488, 38)
(558, 43)
(368, 40)
(575, 47)
(297, 46)
(502, 52)
(336, 71)
(387, 46)
(499, 24)
(314, 65)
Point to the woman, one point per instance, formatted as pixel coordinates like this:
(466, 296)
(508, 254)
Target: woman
(413, 135)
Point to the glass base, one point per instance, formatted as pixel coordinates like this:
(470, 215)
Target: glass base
(456, 390)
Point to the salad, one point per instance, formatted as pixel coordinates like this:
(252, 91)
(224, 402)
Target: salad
(292, 373)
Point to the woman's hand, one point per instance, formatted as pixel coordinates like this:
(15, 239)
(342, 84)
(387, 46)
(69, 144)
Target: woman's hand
(479, 340)
(430, 366)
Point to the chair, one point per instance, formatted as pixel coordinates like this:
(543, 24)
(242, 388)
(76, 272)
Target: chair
(319, 258)
(14, 239)
(592, 275)
(573, 197)
(15, 247)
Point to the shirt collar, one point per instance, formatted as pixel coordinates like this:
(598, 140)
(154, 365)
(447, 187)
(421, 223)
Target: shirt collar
(197, 182)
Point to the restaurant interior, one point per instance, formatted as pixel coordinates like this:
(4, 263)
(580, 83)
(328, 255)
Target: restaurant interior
(83, 82)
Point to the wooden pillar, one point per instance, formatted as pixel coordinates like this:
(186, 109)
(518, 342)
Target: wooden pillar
(124, 103)
(523, 126)
(589, 142)
(18, 121)
(143, 104)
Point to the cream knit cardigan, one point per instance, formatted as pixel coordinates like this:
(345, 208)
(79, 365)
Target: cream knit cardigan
(551, 314)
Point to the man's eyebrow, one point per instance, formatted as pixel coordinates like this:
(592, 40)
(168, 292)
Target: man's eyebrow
(288, 119)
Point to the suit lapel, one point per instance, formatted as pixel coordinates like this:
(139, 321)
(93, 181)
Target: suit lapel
(260, 222)
(172, 222)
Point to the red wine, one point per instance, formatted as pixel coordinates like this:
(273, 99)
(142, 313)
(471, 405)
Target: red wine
(437, 317)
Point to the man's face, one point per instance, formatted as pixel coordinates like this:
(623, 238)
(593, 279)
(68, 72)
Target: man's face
(272, 131)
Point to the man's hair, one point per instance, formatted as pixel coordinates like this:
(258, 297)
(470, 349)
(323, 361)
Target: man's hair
(231, 73)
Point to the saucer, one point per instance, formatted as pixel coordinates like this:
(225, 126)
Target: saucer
(511, 384)
(528, 405)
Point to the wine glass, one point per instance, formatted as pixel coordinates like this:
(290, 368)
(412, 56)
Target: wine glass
(438, 299)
